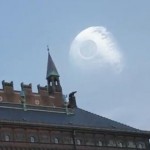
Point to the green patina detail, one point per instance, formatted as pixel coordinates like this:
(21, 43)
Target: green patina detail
(52, 73)
(51, 68)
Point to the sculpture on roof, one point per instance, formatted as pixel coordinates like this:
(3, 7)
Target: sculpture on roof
(72, 100)
(72, 94)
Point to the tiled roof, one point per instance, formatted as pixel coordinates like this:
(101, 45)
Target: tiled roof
(80, 118)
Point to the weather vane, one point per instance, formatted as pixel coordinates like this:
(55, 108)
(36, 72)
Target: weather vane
(47, 48)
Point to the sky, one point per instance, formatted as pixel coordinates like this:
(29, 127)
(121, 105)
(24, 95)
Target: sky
(27, 27)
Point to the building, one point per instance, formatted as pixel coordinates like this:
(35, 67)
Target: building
(45, 121)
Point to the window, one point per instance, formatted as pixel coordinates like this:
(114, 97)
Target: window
(78, 142)
(32, 139)
(111, 143)
(56, 141)
(50, 84)
(141, 145)
(131, 144)
(7, 138)
(100, 143)
(119, 144)
(56, 83)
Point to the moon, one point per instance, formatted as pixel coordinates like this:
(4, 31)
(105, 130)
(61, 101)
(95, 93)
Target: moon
(95, 47)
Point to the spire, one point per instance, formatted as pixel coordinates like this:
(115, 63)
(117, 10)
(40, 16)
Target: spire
(51, 68)
(52, 76)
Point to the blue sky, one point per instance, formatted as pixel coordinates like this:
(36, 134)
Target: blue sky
(27, 27)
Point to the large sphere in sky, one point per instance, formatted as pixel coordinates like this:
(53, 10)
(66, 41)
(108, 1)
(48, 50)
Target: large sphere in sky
(95, 47)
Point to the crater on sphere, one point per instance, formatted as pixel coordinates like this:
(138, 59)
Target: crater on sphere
(88, 49)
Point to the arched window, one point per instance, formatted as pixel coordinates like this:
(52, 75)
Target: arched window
(100, 143)
(119, 144)
(111, 143)
(56, 141)
(78, 142)
(50, 83)
(131, 144)
(32, 139)
(7, 138)
(141, 145)
(56, 82)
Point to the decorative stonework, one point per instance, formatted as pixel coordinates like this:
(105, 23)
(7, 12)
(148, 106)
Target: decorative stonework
(37, 102)
(26, 97)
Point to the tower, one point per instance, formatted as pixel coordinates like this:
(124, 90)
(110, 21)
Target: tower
(52, 77)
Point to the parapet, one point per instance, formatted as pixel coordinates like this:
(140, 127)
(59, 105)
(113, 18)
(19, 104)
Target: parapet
(40, 98)
(27, 88)
(7, 86)
(41, 88)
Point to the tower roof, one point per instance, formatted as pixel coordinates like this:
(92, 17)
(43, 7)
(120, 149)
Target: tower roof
(51, 68)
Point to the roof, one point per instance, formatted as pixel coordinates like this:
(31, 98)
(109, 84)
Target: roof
(51, 68)
(80, 118)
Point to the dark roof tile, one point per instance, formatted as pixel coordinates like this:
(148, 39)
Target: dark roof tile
(80, 118)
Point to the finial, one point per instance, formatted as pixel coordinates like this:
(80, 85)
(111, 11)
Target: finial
(47, 48)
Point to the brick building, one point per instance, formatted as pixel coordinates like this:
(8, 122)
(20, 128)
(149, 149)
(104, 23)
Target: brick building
(46, 121)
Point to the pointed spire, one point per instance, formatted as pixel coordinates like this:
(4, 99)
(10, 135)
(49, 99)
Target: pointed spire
(51, 68)
(48, 48)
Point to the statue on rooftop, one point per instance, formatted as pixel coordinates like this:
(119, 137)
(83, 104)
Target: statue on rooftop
(72, 100)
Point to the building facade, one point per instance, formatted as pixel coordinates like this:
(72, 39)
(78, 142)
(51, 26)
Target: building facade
(46, 121)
